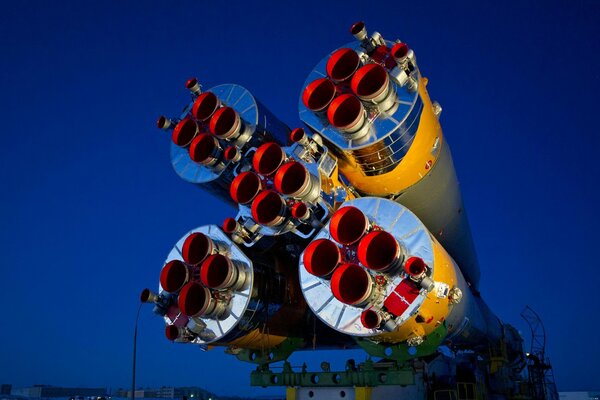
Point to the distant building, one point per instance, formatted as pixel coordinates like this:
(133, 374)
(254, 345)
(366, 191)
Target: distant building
(5, 388)
(169, 392)
(46, 391)
(579, 395)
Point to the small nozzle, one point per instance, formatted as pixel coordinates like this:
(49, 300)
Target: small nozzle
(348, 225)
(205, 106)
(172, 332)
(196, 248)
(225, 123)
(245, 187)
(346, 113)
(351, 284)
(268, 158)
(359, 31)
(230, 225)
(164, 123)
(174, 275)
(399, 52)
(370, 319)
(318, 94)
(300, 211)
(342, 64)
(232, 154)
(148, 296)
(185, 131)
(379, 251)
(269, 208)
(205, 149)
(298, 136)
(415, 267)
(193, 86)
(321, 257)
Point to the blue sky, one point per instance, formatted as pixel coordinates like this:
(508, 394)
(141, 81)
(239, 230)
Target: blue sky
(91, 207)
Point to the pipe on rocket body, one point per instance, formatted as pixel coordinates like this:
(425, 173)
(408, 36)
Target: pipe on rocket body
(174, 275)
(226, 123)
(206, 150)
(293, 179)
(321, 257)
(380, 251)
(347, 114)
(245, 187)
(205, 106)
(197, 247)
(318, 94)
(348, 225)
(371, 83)
(269, 208)
(342, 64)
(268, 158)
(220, 272)
(185, 131)
(351, 284)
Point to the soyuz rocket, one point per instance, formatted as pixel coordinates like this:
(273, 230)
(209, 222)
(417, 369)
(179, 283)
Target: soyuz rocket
(350, 230)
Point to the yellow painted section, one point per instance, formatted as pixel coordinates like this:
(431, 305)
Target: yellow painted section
(256, 340)
(418, 161)
(290, 393)
(444, 270)
(362, 393)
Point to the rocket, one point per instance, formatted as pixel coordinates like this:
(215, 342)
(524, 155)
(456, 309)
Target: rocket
(349, 231)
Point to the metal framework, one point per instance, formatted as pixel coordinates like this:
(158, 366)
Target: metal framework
(541, 376)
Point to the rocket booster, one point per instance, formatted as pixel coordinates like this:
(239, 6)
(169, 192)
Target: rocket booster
(349, 232)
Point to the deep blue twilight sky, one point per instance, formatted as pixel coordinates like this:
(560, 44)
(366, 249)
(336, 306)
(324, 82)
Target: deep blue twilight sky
(90, 206)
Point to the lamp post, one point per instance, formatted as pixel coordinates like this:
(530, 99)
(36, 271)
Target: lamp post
(135, 352)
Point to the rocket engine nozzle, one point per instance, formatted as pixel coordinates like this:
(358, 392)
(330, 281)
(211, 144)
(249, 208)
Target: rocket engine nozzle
(359, 31)
(219, 272)
(193, 86)
(197, 247)
(267, 158)
(318, 94)
(380, 251)
(245, 187)
(196, 300)
(164, 123)
(205, 106)
(351, 284)
(185, 131)
(172, 332)
(206, 150)
(399, 52)
(342, 64)
(321, 257)
(293, 179)
(174, 275)
(225, 123)
(370, 319)
(269, 208)
(348, 225)
(232, 154)
(371, 83)
(147, 296)
(346, 113)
